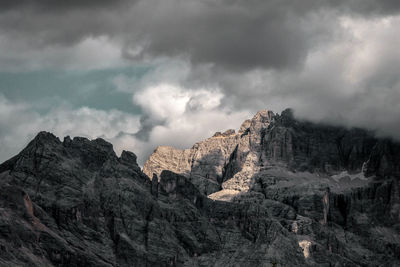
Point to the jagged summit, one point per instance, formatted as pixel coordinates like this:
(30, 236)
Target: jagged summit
(206, 160)
(47, 147)
(44, 138)
(228, 161)
(264, 115)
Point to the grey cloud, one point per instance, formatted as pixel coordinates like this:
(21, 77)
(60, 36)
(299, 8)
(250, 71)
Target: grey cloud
(232, 34)
(352, 81)
(369, 7)
(147, 124)
(256, 51)
(50, 5)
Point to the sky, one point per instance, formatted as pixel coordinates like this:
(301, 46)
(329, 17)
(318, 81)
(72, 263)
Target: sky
(145, 73)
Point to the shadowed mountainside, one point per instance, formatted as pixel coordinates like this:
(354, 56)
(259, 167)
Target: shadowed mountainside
(75, 203)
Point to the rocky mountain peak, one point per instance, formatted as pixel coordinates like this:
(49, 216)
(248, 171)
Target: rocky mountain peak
(261, 120)
(266, 141)
(264, 116)
(46, 151)
(44, 140)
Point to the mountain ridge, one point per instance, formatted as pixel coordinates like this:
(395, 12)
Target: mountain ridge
(271, 140)
(280, 192)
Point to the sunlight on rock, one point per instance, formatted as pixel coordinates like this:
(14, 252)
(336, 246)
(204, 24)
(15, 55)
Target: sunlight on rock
(305, 246)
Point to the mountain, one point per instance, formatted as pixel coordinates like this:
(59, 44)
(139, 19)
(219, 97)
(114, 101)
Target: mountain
(279, 192)
(228, 164)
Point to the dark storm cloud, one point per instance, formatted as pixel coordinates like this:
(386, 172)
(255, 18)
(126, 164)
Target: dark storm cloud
(243, 35)
(51, 5)
(232, 34)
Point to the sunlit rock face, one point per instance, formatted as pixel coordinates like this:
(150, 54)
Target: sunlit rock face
(211, 164)
(279, 192)
(305, 246)
(227, 163)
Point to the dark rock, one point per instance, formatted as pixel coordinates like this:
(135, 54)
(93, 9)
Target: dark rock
(75, 203)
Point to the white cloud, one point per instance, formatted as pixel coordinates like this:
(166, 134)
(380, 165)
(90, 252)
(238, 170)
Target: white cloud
(180, 115)
(188, 116)
(162, 101)
(357, 77)
(373, 46)
(19, 124)
(89, 122)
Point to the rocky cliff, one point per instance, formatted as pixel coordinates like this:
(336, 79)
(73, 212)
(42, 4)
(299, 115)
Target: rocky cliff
(208, 164)
(229, 161)
(279, 192)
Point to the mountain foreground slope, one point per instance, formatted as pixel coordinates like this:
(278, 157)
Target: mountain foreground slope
(279, 192)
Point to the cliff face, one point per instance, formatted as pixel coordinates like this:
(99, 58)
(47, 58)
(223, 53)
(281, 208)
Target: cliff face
(202, 164)
(229, 161)
(294, 194)
(208, 164)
